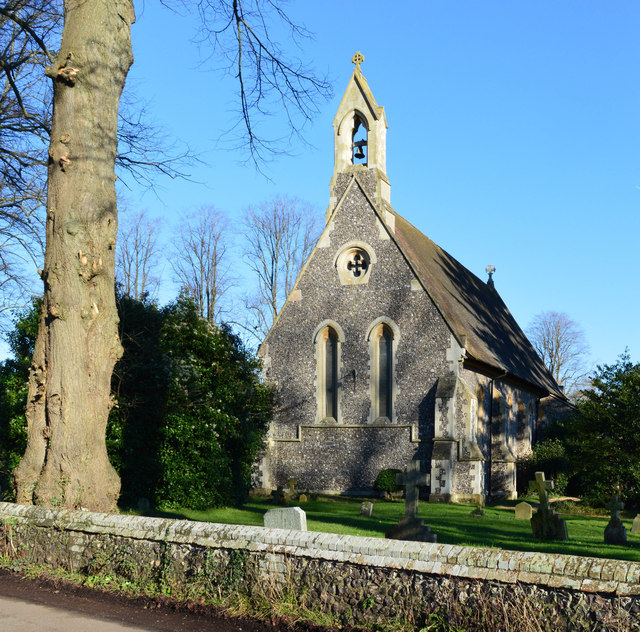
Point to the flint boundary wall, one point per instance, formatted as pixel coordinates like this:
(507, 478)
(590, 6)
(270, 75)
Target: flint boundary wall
(365, 578)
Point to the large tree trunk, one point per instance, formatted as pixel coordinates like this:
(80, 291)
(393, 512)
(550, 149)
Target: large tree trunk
(66, 461)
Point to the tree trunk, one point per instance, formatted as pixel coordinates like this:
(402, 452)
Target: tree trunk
(66, 461)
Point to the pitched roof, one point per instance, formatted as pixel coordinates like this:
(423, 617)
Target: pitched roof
(474, 310)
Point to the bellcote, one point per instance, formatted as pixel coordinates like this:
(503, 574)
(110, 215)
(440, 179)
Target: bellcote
(360, 135)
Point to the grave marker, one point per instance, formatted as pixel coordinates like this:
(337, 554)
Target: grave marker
(546, 524)
(366, 509)
(286, 518)
(410, 527)
(278, 496)
(615, 532)
(524, 511)
(635, 527)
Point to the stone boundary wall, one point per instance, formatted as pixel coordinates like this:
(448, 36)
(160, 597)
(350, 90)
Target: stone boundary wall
(340, 571)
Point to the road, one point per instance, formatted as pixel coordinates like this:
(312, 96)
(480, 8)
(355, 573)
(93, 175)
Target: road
(41, 605)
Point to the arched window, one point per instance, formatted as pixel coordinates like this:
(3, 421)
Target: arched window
(327, 342)
(330, 373)
(359, 141)
(382, 378)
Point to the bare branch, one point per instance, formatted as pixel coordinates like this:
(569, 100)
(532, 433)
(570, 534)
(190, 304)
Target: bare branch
(268, 82)
(201, 260)
(562, 345)
(279, 236)
(138, 255)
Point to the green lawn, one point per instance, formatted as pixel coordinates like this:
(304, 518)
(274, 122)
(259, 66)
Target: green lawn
(452, 523)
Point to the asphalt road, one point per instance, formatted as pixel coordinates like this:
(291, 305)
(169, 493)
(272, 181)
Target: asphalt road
(42, 605)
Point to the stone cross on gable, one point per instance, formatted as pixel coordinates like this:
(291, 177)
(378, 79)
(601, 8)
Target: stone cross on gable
(412, 479)
(541, 487)
(357, 59)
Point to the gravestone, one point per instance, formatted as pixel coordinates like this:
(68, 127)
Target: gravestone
(635, 527)
(478, 512)
(366, 509)
(286, 518)
(546, 524)
(303, 498)
(292, 485)
(524, 511)
(278, 496)
(615, 532)
(410, 527)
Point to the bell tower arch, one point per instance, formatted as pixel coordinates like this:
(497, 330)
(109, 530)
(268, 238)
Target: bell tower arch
(360, 135)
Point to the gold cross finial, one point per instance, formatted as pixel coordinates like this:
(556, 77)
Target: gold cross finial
(357, 59)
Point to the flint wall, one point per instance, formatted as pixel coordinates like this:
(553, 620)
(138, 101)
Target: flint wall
(356, 578)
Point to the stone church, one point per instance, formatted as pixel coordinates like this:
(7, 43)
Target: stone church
(389, 350)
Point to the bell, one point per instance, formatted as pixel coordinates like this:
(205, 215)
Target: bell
(359, 152)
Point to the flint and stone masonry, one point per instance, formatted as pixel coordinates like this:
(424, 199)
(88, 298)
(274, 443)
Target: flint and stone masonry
(389, 350)
(369, 580)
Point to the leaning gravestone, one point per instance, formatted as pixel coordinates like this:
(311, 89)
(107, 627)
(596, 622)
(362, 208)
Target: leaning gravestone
(614, 532)
(410, 527)
(546, 524)
(286, 518)
(366, 509)
(635, 527)
(524, 511)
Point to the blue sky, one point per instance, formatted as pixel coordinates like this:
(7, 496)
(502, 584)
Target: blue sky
(513, 140)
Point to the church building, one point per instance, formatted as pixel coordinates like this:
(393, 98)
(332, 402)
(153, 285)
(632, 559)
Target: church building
(389, 350)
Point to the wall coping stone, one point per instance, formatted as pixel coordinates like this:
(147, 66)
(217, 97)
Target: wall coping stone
(599, 575)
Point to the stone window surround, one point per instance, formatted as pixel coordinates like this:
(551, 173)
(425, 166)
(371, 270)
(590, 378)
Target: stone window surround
(372, 340)
(344, 254)
(320, 384)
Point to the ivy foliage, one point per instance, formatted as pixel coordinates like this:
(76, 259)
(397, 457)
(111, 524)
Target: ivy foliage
(190, 414)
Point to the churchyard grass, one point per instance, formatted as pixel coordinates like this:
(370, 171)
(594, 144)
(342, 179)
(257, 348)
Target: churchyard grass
(452, 523)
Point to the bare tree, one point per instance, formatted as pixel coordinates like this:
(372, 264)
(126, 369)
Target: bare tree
(200, 260)
(279, 236)
(69, 397)
(68, 403)
(268, 81)
(138, 255)
(27, 28)
(563, 347)
(30, 31)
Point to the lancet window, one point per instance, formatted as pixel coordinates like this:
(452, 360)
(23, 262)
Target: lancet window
(328, 358)
(382, 371)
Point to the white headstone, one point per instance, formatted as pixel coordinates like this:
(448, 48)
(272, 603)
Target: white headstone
(524, 511)
(286, 518)
(635, 527)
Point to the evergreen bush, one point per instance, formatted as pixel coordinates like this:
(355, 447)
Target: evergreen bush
(386, 481)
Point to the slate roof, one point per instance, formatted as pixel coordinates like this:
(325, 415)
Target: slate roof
(473, 310)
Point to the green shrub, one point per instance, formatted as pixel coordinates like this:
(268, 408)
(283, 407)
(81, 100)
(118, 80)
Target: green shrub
(549, 457)
(14, 382)
(190, 414)
(386, 481)
(217, 413)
